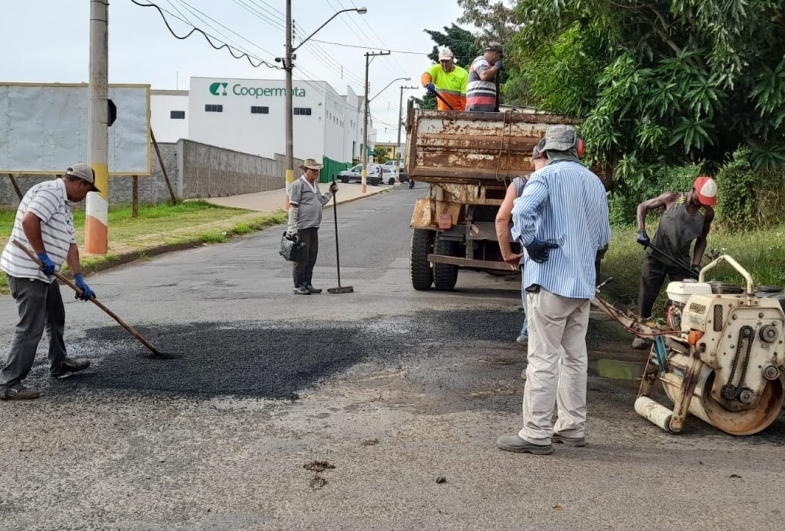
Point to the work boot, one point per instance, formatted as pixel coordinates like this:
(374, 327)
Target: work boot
(522, 340)
(301, 290)
(640, 343)
(312, 289)
(69, 366)
(20, 393)
(568, 441)
(513, 443)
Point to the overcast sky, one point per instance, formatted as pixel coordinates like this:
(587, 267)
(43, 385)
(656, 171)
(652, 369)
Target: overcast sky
(47, 41)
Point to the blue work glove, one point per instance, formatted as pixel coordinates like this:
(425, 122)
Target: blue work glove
(540, 251)
(48, 266)
(431, 87)
(643, 238)
(498, 65)
(87, 293)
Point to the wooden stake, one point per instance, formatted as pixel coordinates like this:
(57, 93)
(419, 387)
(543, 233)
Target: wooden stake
(135, 197)
(16, 186)
(163, 168)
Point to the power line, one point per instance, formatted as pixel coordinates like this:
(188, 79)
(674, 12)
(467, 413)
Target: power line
(208, 38)
(366, 47)
(196, 12)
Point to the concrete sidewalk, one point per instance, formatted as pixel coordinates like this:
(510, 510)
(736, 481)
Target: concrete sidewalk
(274, 199)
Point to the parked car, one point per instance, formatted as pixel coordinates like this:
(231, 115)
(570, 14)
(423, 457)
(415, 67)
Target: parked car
(393, 164)
(355, 174)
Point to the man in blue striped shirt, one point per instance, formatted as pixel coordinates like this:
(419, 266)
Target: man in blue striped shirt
(562, 220)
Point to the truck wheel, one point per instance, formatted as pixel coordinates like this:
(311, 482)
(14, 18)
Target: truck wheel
(344, 180)
(419, 266)
(445, 275)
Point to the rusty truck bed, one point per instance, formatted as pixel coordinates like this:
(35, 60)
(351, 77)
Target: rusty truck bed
(473, 147)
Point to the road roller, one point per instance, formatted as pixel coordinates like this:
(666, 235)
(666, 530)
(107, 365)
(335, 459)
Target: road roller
(720, 356)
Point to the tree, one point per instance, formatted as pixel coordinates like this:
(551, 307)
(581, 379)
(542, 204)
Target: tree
(382, 154)
(461, 42)
(496, 20)
(659, 81)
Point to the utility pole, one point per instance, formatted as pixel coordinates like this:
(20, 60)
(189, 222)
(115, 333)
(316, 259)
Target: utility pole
(368, 58)
(289, 66)
(97, 208)
(398, 144)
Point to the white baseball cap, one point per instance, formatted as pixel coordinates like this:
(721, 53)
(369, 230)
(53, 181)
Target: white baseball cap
(445, 54)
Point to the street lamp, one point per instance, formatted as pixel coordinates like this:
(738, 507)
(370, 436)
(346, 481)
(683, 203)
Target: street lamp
(364, 187)
(398, 144)
(289, 67)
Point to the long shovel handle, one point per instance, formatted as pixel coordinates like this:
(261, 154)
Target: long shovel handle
(337, 252)
(673, 261)
(71, 285)
(444, 101)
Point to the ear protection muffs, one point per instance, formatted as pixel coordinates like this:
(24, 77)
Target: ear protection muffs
(579, 146)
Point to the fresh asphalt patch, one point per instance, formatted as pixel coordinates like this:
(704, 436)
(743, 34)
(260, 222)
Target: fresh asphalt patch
(276, 360)
(265, 359)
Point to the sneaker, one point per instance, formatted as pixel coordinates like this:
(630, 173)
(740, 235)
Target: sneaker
(312, 289)
(568, 441)
(513, 443)
(69, 366)
(22, 393)
(301, 290)
(640, 343)
(522, 340)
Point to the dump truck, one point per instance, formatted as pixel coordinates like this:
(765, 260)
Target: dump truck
(468, 159)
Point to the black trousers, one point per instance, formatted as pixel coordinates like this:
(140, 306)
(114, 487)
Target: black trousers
(652, 278)
(303, 267)
(40, 306)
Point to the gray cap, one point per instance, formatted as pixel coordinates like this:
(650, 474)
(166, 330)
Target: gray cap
(560, 138)
(495, 47)
(83, 171)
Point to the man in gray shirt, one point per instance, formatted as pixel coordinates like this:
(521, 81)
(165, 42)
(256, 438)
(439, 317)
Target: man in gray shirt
(305, 216)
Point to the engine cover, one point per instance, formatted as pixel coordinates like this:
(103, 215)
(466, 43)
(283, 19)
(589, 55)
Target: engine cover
(741, 335)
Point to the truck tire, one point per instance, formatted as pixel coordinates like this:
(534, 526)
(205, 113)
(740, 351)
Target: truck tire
(445, 275)
(419, 266)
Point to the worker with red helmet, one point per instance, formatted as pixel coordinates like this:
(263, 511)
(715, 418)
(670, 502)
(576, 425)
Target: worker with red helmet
(687, 218)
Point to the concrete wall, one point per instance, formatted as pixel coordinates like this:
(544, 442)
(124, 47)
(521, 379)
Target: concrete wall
(195, 171)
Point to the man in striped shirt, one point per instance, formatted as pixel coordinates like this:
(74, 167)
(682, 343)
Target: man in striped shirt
(481, 91)
(562, 220)
(45, 224)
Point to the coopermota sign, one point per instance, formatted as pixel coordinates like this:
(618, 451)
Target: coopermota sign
(220, 89)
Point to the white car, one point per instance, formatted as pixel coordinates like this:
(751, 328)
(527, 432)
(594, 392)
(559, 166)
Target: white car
(355, 174)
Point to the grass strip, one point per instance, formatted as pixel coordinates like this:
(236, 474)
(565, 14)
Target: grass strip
(761, 252)
(157, 229)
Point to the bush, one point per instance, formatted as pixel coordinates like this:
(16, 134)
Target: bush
(748, 199)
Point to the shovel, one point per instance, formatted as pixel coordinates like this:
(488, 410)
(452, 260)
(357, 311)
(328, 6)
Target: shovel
(339, 289)
(61, 278)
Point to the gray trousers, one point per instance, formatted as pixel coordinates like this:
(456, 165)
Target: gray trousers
(303, 267)
(40, 307)
(653, 276)
(558, 361)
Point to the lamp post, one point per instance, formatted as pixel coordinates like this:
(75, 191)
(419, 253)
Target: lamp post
(370, 55)
(398, 143)
(288, 66)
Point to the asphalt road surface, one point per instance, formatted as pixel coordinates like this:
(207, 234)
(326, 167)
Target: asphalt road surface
(329, 412)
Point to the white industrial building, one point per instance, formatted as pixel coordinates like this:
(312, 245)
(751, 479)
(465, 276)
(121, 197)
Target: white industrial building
(248, 115)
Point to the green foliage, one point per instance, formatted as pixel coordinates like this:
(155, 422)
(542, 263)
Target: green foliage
(461, 42)
(382, 154)
(668, 82)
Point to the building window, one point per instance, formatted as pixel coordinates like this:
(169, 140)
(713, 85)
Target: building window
(260, 110)
(302, 111)
(177, 115)
(214, 108)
